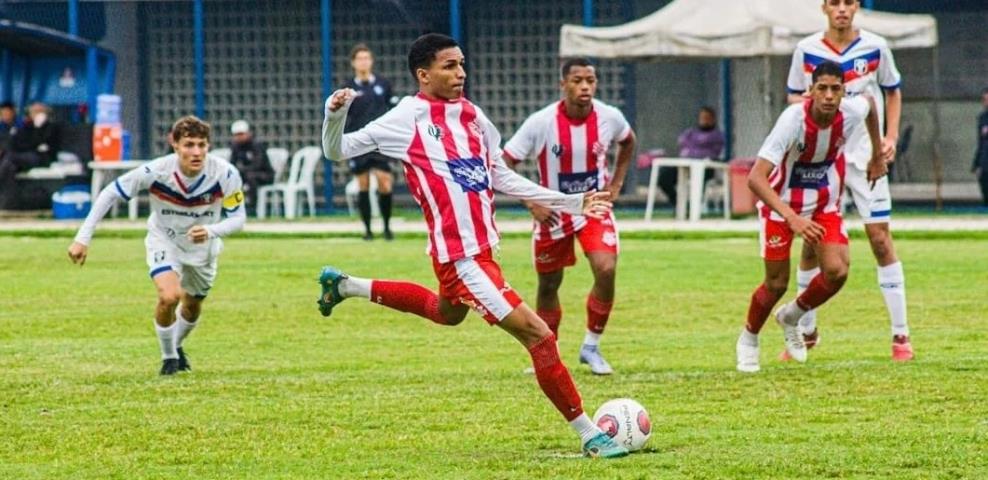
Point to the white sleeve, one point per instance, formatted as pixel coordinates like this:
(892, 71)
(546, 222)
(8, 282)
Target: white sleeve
(509, 182)
(888, 75)
(234, 213)
(522, 145)
(336, 145)
(783, 134)
(621, 126)
(797, 75)
(104, 202)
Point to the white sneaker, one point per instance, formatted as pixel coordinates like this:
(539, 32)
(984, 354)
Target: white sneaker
(788, 318)
(747, 356)
(590, 355)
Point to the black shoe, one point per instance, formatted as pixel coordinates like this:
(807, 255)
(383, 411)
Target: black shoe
(368, 236)
(169, 366)
(183, 361)
(388, 235)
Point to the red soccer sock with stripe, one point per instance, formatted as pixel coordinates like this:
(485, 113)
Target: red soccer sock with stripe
(598, 312)
(407, 297)
(552, 318)
(817, 293)
(761, 305)
(554, 378)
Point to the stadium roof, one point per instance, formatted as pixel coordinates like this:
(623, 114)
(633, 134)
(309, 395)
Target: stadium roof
(733, 28)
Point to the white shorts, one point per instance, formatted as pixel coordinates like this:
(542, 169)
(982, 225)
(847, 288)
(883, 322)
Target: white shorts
(874, 205)
(196, 268)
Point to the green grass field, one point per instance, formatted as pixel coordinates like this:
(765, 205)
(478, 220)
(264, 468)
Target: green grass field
(280, 392)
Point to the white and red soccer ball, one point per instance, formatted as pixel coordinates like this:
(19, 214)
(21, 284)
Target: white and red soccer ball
(626, 421)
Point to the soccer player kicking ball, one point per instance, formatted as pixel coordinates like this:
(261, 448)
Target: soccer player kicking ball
(570, 138)
(452, 159)
(868, 68)
(799, 178)
(189, 190)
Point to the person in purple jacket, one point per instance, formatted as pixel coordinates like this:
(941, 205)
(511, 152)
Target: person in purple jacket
(704, 140)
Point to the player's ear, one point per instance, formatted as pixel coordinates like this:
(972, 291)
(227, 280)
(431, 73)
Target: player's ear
(422, 75)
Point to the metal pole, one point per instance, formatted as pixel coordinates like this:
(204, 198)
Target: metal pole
(455, 21)
(937, 159)
(6, 69)
(726, 106)
(74, 17)
(587, 13)
(869, 4)
(199, 61)
(326, 40)
(92, 81)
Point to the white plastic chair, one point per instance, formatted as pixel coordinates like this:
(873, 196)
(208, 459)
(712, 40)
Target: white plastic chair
(223, 153)
(301, 179)
(352, 191)
(278, 158)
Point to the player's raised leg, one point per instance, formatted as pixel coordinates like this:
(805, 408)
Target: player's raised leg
(599, 303)
(892, 282)
(169, 294)
(762, 301)
(556, 382)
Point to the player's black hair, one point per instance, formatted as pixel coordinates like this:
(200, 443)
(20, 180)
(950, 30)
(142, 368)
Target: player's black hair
(8, 104)
(828, 68)
(709, 109)
(569, 63)
(424, 49)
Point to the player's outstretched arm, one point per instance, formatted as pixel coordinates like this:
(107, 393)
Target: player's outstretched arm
(540, 213)
(509, 182)
(80, 245)
(811, 231)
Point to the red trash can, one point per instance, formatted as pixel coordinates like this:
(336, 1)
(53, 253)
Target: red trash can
(742, 199)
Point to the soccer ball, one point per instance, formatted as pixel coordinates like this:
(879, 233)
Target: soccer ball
(626, 421)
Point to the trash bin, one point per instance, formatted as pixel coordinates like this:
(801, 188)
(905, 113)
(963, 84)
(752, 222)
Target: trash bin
(742, 199)
(72, 202)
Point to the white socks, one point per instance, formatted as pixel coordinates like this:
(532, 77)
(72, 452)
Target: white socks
(183, 326)
(584, 427)
(892, 281)
(748, 338)
(803, 279)
(355, 287)
(592, 339)
(166, 338)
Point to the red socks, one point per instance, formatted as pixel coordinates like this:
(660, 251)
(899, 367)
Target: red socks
(597, 314)
(761, 305)
(817, 292)
(554, 379)
(552, 319)
(407, 297)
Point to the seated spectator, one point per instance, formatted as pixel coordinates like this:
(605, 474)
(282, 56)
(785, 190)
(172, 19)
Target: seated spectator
(250, 156)
(34, 145)
(702, 141)
(9, 123)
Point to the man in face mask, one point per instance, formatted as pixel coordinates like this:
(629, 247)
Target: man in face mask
(8, 123)
(35, 144)
(704, 140)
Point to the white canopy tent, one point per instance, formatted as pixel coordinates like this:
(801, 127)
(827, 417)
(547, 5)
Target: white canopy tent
(731, 29)
(726, 29)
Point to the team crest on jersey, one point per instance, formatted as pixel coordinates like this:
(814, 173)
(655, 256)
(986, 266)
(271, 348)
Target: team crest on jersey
(800, 147)
(474, 128)
(435, 131)
(860, 66)
(558, 150)
(378, 90)
(470, 173)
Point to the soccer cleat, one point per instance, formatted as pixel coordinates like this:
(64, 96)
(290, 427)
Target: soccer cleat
(747, 356)
(368, 236)
(602, 446)
(810, 341)
(388, 235)
(169, 366)
(791, 334)
(590, 355)
(330, 279)
(902, 350)
(183, 361)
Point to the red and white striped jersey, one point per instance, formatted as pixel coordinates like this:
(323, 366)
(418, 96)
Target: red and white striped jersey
(572, 154)
(452, 158)
(809, 160)
(868, 68)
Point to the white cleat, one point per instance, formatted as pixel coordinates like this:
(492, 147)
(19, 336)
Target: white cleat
(590, 355)
(747, 356)
(788, 318)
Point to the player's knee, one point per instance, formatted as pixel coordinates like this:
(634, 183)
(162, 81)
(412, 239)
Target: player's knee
(881, 244)
(169, 297)
(454, 318)
(835, 274)
(549, 283)
(605, 271)
(777, 285)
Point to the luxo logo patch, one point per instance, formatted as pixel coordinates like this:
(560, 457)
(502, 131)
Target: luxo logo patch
(470, 174)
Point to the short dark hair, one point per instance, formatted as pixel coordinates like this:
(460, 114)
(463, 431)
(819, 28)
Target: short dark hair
(424, 49)
(569, 63)
(8, 104)
(709, 109)
(360, 47)
(189, 126)
(828, 67)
